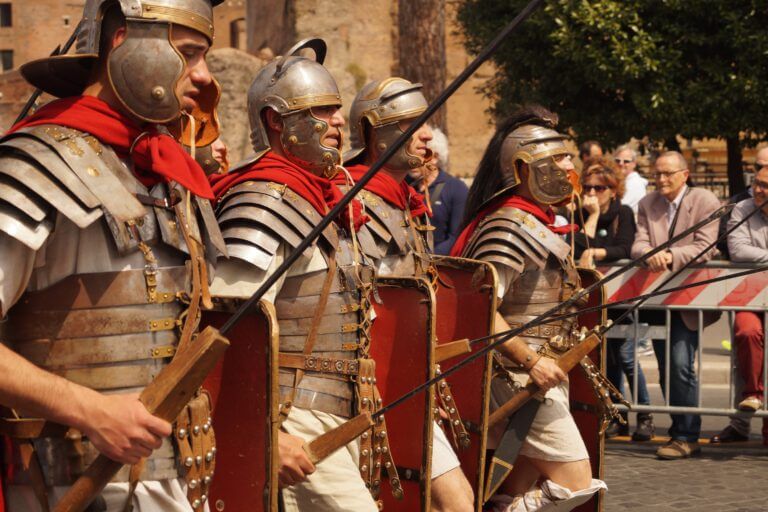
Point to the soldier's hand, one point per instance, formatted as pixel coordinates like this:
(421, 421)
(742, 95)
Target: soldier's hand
(546, 374)
(120, 427)
(295, 466)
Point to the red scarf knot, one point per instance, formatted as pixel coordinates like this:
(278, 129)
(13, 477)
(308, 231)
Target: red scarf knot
(400, 195)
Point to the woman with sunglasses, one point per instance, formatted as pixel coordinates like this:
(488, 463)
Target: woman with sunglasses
(607, 232)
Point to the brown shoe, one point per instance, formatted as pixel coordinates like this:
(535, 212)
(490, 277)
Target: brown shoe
(728, 435)
(675, 450)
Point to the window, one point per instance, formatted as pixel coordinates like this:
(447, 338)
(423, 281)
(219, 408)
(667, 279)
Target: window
(5, 14)
(237, 34)
(6, 58)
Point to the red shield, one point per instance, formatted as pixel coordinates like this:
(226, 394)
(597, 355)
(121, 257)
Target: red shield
(584, 403)
(243, 387)
(403, 348)
(466, 307)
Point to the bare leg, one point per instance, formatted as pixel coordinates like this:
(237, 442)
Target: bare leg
(522, 477)
(451, 492)
(576, 475)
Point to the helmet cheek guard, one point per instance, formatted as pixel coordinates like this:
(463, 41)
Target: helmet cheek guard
(548, 183)
(302, 139)
(385, 136)
(147, 88)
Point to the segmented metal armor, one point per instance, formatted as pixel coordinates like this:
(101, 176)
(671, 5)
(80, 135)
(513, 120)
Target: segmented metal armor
(110, 331)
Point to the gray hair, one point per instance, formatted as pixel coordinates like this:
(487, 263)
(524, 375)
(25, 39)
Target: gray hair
(439, 144)
(681, 161)
(626, 147)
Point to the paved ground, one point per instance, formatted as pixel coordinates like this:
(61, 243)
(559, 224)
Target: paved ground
(722, 479)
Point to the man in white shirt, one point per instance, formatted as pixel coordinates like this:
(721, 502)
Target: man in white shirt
(635, 185)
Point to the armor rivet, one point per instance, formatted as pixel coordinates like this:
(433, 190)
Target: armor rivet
(385, 450)
(318, 127)
(199, 460)
(363, 468)
(192, 484)
(387, 465)
(378, 449)
(378, 465)
(206, 428)
(437, 411)
(456, 423)
(196, 429)
(213, 451)
(374, 380)
(189, 461)
(443, 384)
(365, 401)
(182, 433)
(93, 171)
(156, 352)
(365, 435)
(204, 498)
(382, 146)
(378, 401)
(528, 358)
(293, 139)
(220, 505)
(158, 92)
(448, 398)
(383, 434)
(365, 453)
(196, 504)
(207, 481)
(208, 457)
(453, 410)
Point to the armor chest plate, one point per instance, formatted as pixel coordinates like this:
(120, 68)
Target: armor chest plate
(341, 333)
(536, 291)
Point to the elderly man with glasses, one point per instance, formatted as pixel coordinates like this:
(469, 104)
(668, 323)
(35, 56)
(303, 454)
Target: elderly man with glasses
(672, 208)
(635, 185)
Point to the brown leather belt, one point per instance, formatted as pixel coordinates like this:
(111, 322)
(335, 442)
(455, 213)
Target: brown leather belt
(319, 364)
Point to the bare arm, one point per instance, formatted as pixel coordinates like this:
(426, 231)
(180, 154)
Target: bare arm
(544, 371)
(118, 425)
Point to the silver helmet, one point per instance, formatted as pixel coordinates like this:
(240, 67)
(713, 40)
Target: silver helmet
(381, 105)
(144, 70)
(538, 147)
(292, 86)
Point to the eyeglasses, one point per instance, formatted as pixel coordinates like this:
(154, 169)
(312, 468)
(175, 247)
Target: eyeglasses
(666, 174)
(622, 161)
(596, 188)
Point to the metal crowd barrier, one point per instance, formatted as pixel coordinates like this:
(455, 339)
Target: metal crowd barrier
(746, 293)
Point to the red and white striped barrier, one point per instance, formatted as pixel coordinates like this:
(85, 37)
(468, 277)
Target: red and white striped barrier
(744, 293)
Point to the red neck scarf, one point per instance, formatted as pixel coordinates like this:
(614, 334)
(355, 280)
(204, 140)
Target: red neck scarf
(547, 217)
(400, 195)
(320, 192)
(157, 156)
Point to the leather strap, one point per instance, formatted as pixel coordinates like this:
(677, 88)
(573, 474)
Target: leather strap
(309, 343)
(319, 364)
(459, 432)
(32, 464)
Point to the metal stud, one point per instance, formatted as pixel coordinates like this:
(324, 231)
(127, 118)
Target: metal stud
(204, 498)
(182, 433)
(189, 461)
(206, 481)
(387, 465)
(206, 428)
(365, 435)
(364, 468)
(199, 460)
(196, 429)
(365, 453)
(213, 451)
(196, 503)
(192, 484)
(209, 457)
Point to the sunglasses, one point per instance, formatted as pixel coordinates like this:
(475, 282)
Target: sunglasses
(596, 188)
(620, 161)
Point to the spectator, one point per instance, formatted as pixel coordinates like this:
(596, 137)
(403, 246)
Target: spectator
(761, 161)
(635, 185)
(589, 149)
(670, 209)
(447, 194)
(749, 243)
(607, 235)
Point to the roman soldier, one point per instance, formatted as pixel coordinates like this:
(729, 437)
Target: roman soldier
(323, 303)
(106, 233)
(509, 222)
(398, 236)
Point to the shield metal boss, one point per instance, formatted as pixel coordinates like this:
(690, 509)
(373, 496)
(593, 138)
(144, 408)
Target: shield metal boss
(582, 396)
(466, 307)
(244, 391)
(403, 347)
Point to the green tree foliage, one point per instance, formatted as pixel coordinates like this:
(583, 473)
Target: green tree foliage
(615, 69)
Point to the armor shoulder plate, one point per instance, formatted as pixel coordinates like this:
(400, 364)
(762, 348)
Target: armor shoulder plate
(515, 239)
(256, 216)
